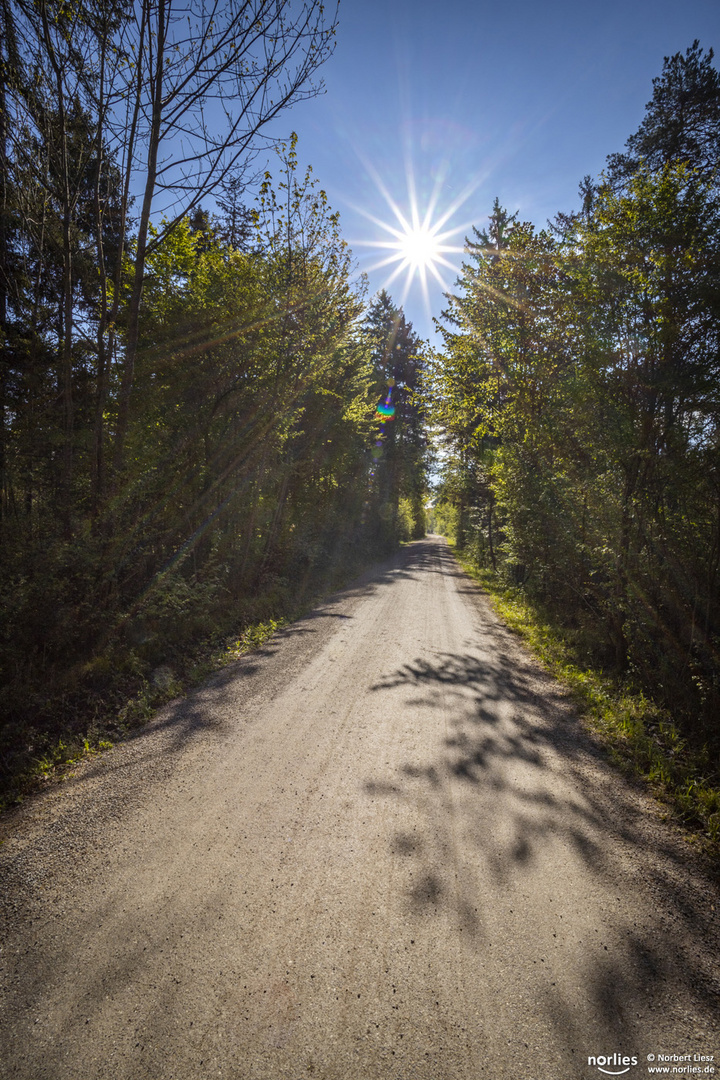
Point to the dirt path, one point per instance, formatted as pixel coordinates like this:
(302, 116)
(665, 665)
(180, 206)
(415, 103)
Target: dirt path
(380, 848)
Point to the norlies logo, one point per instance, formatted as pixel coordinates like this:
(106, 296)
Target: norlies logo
(610, 1063)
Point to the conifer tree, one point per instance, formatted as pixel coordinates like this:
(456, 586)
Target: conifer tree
(398, 359)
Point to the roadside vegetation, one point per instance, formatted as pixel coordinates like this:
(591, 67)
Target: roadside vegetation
(115, 693)
(576, 395)
(641, 737)
(204, 420)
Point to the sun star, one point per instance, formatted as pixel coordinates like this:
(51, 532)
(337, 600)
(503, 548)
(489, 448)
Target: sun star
(418, 244)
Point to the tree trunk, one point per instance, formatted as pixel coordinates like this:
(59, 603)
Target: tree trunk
(97, 480)
(491, 542)
(4, 270)
(133, 328)
(65, 330)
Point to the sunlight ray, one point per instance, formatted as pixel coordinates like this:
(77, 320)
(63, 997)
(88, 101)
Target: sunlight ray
(426, 294)
(386, 262)
(435, 194)
(396, 273)
(446, 262)
(375, 177)
(406, 289)
(375, 220)
(389, 244)
(461, 199)
(438, 276)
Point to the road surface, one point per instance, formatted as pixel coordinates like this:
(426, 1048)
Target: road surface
(381, 848)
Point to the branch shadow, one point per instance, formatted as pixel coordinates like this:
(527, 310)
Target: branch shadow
(536, 805)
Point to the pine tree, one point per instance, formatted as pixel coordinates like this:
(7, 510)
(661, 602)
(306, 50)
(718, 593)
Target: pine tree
(401, 449)
(682, 121)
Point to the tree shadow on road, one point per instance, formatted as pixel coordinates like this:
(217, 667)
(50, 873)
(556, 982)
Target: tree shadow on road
(519, 800)
(193, 715)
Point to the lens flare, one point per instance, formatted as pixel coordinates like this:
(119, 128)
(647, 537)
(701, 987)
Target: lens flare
(386, 409)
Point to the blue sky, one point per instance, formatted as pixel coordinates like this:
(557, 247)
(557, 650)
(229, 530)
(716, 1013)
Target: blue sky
(470, 101)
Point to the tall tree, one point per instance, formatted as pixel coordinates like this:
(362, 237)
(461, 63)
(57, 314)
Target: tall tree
(577, 388)
(398, 358)
(245, 61)
(682, 121)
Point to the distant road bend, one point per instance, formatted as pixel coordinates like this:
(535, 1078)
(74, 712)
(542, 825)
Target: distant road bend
(382, 847)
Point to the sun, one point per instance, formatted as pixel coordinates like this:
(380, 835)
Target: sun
(418, 242)
(420, 248)
(417, 247)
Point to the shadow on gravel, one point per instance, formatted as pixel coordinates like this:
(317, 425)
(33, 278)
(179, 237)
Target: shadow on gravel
(194, 715)
(536, 805)
(412, 560)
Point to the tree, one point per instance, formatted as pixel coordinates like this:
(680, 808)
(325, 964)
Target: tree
(681, 123)
(401, 449)
(248, 60)
(648, 282)
(175, 102)
(577, 390)
(236, 219)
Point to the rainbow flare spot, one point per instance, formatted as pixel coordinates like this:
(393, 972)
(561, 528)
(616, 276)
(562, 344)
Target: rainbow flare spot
(386, 409)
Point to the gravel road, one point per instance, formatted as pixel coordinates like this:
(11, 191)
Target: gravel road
(381, 847)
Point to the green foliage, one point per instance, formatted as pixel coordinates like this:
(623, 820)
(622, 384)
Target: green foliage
(640, 735)
(400, 456)
(245, 483)
(682, 121)
(411, 519)
(576, 401)
(445, 515)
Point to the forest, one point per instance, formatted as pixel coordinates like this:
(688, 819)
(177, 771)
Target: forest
(577, 397)
(203, 419)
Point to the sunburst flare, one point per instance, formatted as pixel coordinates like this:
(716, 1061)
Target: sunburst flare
(417, 243)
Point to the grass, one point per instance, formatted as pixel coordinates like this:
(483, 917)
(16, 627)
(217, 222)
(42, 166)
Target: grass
(112, 695)
(167, 685)
(106, 723)
(640, 737)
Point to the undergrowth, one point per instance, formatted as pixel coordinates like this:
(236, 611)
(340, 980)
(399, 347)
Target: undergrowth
(640, 736)
(117, 691)
(99, 721)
